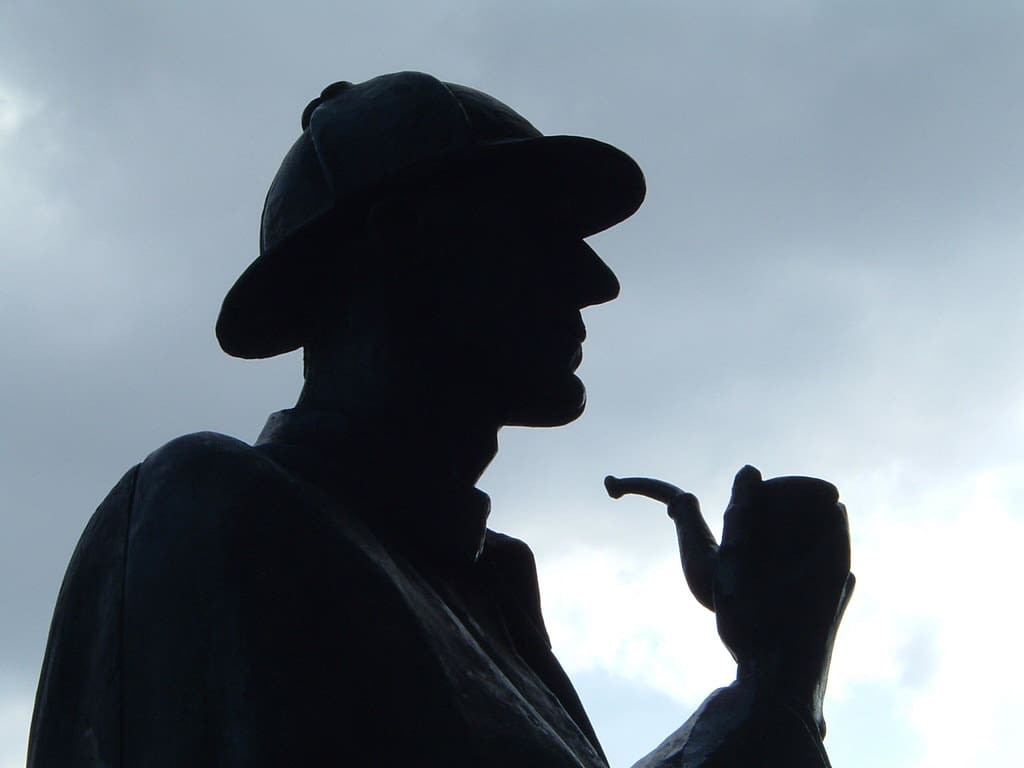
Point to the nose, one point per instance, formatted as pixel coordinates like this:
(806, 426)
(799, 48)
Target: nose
(592, 281)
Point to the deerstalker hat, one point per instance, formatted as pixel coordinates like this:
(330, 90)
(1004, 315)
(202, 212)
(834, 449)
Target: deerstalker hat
(360, 141)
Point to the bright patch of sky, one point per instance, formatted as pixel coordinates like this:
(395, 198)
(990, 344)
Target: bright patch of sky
(937, 674)
(15, 108)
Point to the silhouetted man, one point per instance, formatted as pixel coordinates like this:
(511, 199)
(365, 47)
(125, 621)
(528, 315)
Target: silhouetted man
(331, 596)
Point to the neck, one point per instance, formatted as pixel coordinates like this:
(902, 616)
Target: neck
(428, 446)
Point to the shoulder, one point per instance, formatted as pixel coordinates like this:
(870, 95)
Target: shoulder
(215, 521)
(201, 454)
(208, 495)
(208, 471)
(206, 501)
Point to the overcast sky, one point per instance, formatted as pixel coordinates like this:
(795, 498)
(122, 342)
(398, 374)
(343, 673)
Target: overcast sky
(825, 279)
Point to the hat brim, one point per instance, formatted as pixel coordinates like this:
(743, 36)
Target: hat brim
(588, 184)
(585, 184)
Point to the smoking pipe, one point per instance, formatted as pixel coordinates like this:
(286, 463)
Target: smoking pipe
(698, 550)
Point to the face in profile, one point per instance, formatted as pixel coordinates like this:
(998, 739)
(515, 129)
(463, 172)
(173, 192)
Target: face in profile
(511, 285)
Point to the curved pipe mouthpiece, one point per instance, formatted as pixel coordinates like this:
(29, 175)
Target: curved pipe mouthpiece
(698, 550)
(658, 490)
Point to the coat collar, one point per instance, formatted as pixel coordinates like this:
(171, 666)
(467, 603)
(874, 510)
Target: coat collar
(444, 524)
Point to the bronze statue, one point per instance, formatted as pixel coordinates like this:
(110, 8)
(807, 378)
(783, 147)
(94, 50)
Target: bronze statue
(332, 595)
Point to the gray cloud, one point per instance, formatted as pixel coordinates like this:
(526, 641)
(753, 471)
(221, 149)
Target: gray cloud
(824, 278)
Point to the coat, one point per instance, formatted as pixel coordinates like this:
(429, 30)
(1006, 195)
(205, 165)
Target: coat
(230, 605)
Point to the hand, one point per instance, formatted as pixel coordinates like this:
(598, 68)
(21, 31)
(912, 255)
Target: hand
(780, 581)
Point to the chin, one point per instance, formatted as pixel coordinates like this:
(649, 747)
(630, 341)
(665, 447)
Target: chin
(550, 406)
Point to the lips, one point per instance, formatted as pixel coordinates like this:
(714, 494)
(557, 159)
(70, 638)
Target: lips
(577, 358)
(561, 349)
(578, 334)
(580, 330)
(556, 344)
